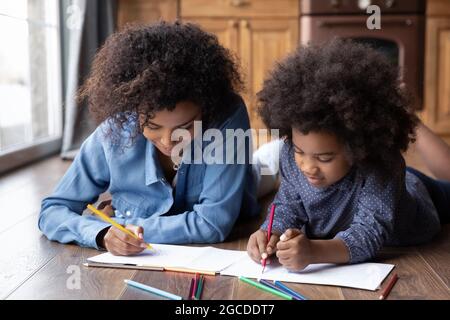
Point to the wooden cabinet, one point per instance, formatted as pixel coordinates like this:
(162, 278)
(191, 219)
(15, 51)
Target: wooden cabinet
(436, 112)
(145, 11)
(259, 32)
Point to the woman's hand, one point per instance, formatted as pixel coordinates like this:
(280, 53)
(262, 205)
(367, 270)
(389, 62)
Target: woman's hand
(294, 250)
(120, 243)
(258, 248)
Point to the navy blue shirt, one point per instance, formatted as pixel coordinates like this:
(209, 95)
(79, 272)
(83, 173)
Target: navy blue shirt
(364, 212)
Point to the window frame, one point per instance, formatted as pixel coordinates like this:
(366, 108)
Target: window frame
(44, 147)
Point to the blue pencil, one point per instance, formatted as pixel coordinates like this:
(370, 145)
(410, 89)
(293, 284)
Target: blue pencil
(267, 283)
(152, 290)
(289, 290)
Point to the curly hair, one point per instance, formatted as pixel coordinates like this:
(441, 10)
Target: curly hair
(144, 69)
(347, 89)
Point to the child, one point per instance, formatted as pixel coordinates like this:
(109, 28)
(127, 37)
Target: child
(344, 190)
(146, 83)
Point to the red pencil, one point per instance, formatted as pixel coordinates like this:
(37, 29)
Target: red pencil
(189, 297)
(269, 232)
(194, 289)
(389, 286)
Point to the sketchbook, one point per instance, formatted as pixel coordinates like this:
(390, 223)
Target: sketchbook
(367, 276)
(163, 256)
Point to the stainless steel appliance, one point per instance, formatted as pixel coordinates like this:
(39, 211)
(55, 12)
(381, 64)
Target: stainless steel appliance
(400, 38)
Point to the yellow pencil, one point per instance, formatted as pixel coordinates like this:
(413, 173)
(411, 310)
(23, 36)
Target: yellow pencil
(175, 269)
(106, 218)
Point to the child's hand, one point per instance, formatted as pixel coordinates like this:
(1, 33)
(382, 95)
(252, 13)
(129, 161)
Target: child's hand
(121, 244)
(258, 248)
(294, 250)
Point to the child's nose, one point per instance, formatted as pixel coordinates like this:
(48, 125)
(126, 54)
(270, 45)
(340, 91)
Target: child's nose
(309, 166)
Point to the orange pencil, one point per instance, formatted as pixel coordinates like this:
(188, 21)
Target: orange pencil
(174, 269)
(389, 287)
(269, 232)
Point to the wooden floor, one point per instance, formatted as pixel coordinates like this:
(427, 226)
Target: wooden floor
(31, 267)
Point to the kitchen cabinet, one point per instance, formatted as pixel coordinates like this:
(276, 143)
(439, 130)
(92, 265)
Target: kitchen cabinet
(258, 32)
(436, 111)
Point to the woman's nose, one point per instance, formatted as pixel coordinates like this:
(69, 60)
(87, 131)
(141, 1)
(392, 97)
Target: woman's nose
(166, 139)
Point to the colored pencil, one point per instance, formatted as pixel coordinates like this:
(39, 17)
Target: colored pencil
(265, 288)
(269, 232)
(156, 291)
(271, 285)
(107, 219)
(198, 294)
(189, 297)
(194, 289)
(288, 290)
(389, 287)
(209, 273)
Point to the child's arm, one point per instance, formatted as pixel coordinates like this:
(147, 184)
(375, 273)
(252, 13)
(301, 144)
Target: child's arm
(60, 217)
(373, 222)
(295, 251)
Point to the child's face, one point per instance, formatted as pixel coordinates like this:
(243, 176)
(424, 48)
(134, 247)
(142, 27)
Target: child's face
(321, 157)
(159, 129)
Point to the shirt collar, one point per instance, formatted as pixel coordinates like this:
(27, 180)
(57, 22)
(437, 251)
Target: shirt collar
(153, 171)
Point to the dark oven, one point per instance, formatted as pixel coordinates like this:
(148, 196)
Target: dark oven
(400, 38)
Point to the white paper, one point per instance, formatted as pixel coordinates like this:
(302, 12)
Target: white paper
(163, 255)
(366, 276)
(216, 259)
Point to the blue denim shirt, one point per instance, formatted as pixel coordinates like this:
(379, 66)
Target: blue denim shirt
(359, 209)
(202, 208)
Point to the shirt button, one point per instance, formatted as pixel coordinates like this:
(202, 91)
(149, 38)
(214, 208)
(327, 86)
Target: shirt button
(128, 213)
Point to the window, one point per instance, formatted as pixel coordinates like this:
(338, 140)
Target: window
(30, 74)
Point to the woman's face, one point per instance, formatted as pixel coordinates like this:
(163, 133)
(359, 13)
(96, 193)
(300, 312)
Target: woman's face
(159, 129)
(321, 157)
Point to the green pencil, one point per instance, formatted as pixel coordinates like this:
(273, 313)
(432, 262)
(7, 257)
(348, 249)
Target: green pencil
(199, 288)
(266, 288)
